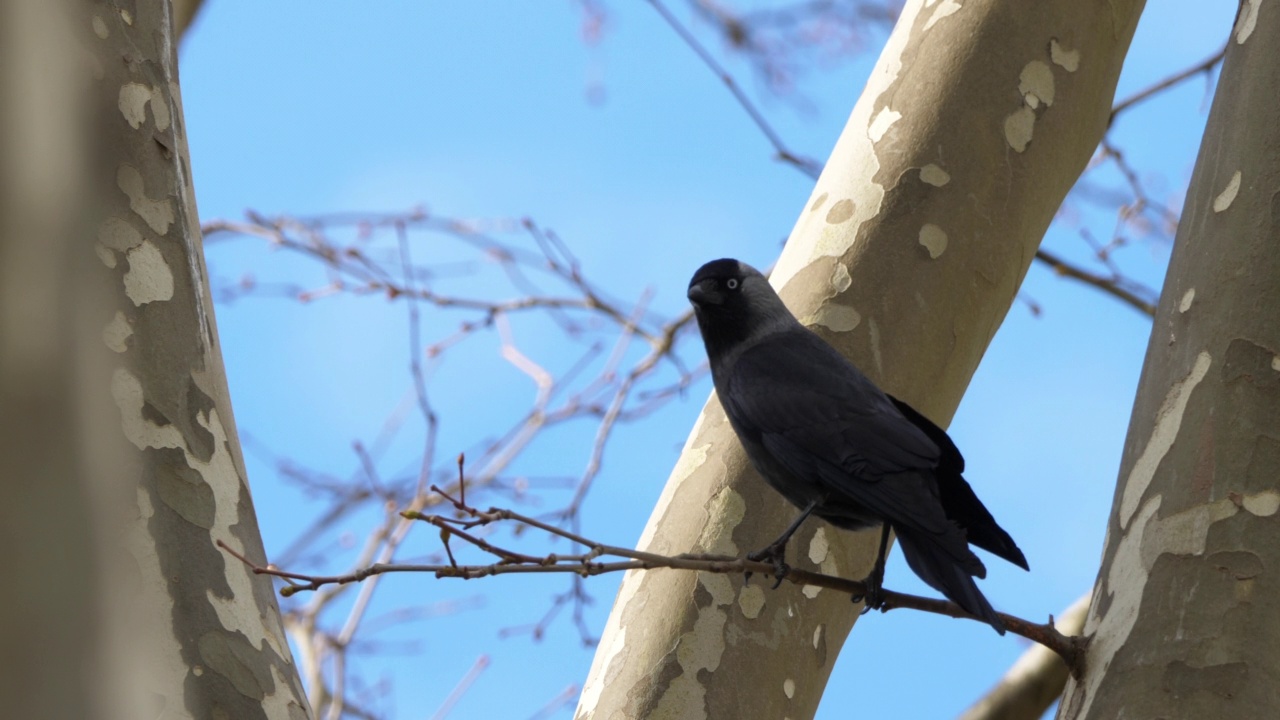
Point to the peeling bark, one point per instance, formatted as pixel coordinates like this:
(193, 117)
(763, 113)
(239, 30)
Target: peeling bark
(204, 631)
(1186, 612)
(976, 121)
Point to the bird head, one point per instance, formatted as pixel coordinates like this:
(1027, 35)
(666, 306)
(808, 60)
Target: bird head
(734, 302)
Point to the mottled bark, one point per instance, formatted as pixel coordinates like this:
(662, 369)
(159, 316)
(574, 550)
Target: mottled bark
(1186, 611)
(974, 124)
(1035, 681)
(205, 631)
(49, 629)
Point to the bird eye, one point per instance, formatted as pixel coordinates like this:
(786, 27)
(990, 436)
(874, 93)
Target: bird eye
(731, 283)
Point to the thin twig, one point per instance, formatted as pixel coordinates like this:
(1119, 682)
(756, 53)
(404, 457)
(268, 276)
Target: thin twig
(461, 688)
(1106, 285)
(805, 165)
(584, 565)
(1203, 67)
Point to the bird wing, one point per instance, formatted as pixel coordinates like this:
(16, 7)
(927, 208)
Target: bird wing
(823, 420)
(958, 499)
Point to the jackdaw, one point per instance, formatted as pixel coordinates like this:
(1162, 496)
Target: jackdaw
(833, 444)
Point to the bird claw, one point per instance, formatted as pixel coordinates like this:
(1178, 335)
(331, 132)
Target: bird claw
(872, 596)
(776, 555)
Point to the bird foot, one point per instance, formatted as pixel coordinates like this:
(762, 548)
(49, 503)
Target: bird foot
(873, 595)
(775, 554)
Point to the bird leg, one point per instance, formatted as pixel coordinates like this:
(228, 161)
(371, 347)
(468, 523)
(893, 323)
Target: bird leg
(776, 551)
(874, 583)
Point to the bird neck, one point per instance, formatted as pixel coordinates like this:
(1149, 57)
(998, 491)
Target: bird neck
(726, 341)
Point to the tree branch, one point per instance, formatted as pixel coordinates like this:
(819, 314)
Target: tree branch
(1034, 681)
(1203, 67)
(587, 564)
(805, 165)
(1111, 286)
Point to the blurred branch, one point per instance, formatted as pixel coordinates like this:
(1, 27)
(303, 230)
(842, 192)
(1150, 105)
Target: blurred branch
(778, 40)
(1035, 680)
(462, 687)
(1113, 286)
(805, 165)
(403, 257)
(1204, 67)
(742, 32)
(566, 697)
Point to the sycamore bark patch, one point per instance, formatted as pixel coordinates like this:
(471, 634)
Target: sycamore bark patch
(751, 601)
(117, 332)
(934, 239)
(149, 278)
(1018, 128)
(1228, 194)
(840, 278)
(1168, 422)
(934, 175)
(881, 124)
(1247, 21)
(1036, 84)
(946, 9)
(118, 235)
(1185, 303)
(840, 212)
(133, 103)
(840, 318)
(157, 213)
(1068, 60)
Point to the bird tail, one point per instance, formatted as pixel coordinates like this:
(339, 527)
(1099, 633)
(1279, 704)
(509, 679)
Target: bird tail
(938, 566)
(964, 508)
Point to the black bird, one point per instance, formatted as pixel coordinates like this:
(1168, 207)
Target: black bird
(835, 445)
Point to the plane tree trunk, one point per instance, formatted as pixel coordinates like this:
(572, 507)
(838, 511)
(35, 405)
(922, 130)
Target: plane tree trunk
(192, 632)
(1185, 619)
(48, 619)
(976, 121)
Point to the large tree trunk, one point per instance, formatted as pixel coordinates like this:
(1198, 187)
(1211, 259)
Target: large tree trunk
(49, 629)
(974, 124)
(203, 629)
(184, 13)
(1186, 612)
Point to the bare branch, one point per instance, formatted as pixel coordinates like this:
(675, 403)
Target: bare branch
(1113, 286)
(1203, 67)
(461, 688)
(587, 564)
(808, 166)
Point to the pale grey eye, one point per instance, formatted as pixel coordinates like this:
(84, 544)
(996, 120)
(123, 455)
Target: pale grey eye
(732, 283)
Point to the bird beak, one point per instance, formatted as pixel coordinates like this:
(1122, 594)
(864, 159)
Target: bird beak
(702, 294)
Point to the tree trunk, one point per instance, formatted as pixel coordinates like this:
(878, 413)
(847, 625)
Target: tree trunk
(184, 13)
(973, 126)
(1186, 617)
(204, 629)
(49, 631)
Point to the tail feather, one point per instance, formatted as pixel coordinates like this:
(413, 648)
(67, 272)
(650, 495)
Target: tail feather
(958, 499)
(938, 567)
(964, 507)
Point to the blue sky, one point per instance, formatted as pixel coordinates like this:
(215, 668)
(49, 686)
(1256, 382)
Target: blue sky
(494, 109)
